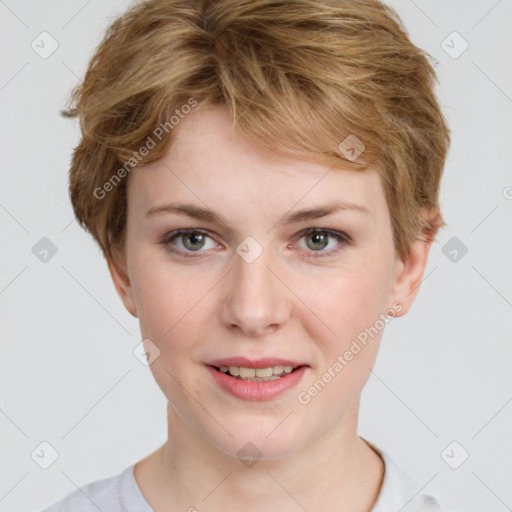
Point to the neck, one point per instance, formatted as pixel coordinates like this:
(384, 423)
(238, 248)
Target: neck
(187, 470)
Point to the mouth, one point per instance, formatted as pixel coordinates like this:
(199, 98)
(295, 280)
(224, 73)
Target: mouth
(263, 374)
(262, 379)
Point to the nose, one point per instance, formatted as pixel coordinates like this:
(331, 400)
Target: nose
(256, 302)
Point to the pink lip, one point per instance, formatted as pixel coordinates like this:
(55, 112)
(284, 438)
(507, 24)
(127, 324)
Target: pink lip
(262, 390)
(263, 362)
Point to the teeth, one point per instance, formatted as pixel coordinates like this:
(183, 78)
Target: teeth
(263, 372)
(234, 370)
(246, 372)
(256, 374)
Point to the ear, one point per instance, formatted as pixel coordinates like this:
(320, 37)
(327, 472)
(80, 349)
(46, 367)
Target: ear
(410, 269)
(118, 271)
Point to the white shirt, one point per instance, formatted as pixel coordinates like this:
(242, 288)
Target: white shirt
(121, 493)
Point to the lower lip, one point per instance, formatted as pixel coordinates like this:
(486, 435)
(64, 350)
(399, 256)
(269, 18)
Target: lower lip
(262, 390)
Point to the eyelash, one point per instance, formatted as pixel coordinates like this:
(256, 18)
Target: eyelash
(340, 236)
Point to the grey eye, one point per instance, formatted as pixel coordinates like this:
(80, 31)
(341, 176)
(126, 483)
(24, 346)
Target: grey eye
(318, 240)
(193, 241)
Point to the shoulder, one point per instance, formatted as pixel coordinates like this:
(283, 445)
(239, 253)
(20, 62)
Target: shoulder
(398, 492)
(117, 493)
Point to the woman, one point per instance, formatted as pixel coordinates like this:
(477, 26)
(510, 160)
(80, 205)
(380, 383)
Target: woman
(262, 178)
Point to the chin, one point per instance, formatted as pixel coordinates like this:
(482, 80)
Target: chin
(262, 439)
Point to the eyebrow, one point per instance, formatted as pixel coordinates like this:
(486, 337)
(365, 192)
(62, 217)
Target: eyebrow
(207, 215)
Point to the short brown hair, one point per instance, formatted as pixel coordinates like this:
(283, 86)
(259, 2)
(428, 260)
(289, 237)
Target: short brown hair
(298, 76)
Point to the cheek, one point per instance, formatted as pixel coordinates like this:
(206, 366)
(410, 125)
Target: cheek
(172, 315)
(351, 306)
(171, 305)
(347, 301)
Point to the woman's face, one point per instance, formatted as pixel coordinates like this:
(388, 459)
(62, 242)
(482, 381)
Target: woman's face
(249, 287)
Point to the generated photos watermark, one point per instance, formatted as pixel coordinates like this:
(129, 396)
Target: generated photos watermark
(357, 345)
(151, 141)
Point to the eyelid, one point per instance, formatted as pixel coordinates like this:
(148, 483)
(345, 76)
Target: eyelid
(332, 232)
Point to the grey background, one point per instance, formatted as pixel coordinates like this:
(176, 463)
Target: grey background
(67, 372)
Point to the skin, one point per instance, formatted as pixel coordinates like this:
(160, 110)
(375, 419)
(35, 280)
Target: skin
(289, 303)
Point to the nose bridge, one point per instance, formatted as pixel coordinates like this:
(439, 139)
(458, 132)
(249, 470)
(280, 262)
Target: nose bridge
(256, 300)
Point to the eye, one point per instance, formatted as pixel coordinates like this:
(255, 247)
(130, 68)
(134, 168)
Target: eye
(318, 239)
(187, 241)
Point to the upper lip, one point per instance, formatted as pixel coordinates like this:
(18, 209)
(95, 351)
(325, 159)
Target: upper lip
(263, 362)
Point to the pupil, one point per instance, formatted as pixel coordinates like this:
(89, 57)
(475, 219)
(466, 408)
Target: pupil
(322, 242)
(196, 239)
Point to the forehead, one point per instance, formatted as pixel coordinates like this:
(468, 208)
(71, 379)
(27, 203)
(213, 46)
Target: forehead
(209, 162)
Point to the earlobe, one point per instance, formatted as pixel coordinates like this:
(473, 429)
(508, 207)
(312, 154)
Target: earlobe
(122, 284)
